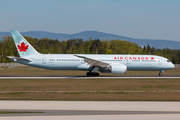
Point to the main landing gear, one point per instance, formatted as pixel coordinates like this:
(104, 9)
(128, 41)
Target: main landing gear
(95, 69)
(92, 74)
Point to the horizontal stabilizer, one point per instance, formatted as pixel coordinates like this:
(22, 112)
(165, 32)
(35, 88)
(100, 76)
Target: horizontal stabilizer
(20, 59)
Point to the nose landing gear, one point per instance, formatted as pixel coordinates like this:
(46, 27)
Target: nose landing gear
(160, 72)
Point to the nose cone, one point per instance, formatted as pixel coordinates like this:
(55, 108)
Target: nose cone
(171, 66)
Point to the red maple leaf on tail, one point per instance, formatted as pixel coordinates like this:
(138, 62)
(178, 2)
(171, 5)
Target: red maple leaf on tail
(22, 47)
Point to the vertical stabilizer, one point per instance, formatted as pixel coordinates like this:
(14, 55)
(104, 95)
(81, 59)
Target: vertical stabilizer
(22, 45)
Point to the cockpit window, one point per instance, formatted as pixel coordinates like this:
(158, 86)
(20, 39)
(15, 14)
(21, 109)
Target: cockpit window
(168, 61)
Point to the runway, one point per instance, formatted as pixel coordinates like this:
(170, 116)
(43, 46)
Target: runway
(85, 112)
(80, 110)
(85, 77)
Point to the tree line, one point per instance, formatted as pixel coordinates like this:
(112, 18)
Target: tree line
(78, 46)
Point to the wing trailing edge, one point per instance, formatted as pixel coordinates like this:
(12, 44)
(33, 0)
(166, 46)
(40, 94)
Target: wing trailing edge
(93, 62)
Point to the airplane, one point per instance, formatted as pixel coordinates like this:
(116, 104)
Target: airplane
(114, 63)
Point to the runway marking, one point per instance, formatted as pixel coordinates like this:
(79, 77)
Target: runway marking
(87, 115)
(93, 110)
(134, 77)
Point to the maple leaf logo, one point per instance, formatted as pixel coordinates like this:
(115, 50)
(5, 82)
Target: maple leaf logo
(22, 47)
(152, 58)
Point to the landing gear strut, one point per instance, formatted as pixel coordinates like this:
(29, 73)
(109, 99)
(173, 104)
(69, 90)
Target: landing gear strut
(160, 72)
(95, 69)
(92, 74)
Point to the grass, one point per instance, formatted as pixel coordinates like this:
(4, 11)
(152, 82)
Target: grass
(87, 89)
(88, 85)
(91, 89)
(16, 112)
(98, 96)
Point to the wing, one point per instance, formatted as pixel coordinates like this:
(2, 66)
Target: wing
(93, 62)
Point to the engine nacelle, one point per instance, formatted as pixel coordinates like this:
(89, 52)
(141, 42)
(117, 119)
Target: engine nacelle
(118, 68)
(115, 68)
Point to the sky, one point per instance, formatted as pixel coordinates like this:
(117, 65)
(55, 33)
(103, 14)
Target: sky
(142, 19)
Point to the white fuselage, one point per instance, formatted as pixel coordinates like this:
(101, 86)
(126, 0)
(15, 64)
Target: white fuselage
(71, 62)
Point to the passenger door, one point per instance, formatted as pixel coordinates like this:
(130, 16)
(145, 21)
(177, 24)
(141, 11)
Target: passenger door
(159, 61)
(82, 61)
(128, 61)
(43, 60)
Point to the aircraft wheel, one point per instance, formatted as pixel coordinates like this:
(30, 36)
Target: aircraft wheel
(88, 74)
(96, 74)
(92, 74)
(160, 74)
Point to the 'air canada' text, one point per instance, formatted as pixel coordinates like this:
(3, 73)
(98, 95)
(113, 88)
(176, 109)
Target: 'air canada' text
(134, 58)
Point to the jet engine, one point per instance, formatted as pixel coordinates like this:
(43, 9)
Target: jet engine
(115, 68)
